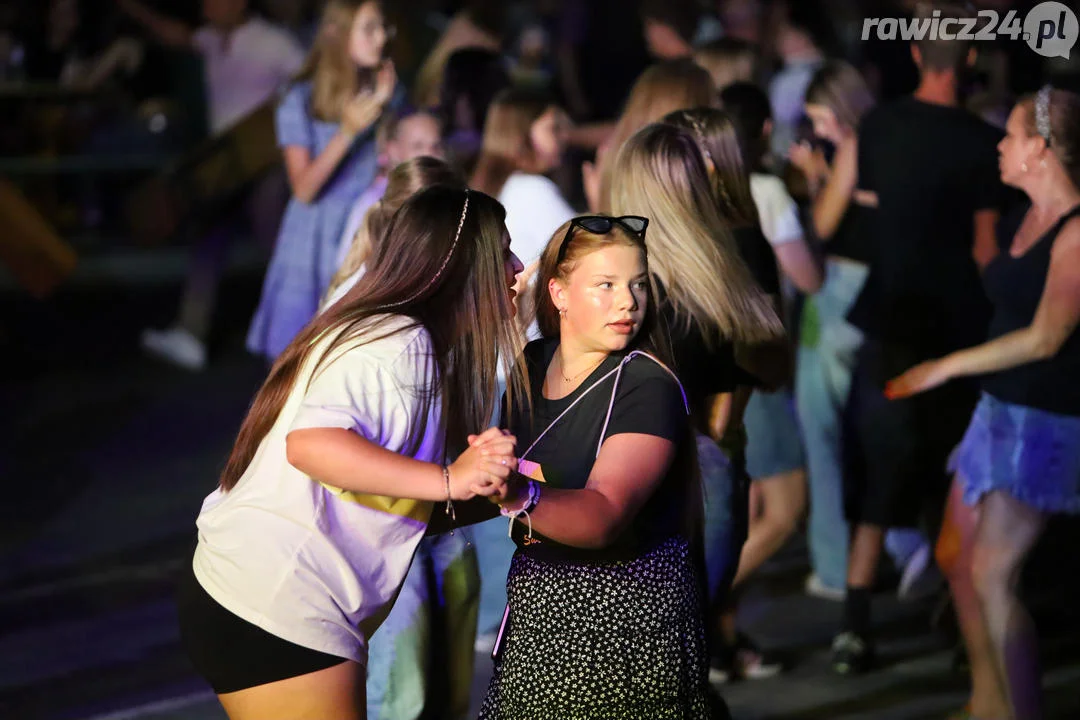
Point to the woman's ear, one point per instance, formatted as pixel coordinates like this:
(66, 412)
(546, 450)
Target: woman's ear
(557, 293)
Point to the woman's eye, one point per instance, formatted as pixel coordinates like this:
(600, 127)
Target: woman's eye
(605, 285)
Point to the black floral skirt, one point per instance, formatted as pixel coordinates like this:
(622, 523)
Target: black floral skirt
(618, 641)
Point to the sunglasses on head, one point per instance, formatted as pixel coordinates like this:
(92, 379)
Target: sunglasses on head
(634, 225)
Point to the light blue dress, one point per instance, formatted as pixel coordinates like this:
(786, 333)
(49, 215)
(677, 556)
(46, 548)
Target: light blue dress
(304, 257)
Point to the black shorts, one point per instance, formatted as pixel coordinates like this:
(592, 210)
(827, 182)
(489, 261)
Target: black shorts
(231, 653)
(896, 451)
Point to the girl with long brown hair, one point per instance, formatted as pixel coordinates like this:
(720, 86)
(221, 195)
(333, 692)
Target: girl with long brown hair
(326, 127)
(661, 89)
(339, 464)
(605, 611)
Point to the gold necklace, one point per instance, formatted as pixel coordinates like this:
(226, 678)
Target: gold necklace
(572, 379)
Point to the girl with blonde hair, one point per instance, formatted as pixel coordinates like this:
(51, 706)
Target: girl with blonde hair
(404, 181)
(661, 89)
(326, 127)
(774, 456)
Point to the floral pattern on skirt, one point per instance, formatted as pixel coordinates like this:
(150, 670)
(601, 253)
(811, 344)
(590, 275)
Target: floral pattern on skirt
(616, 641)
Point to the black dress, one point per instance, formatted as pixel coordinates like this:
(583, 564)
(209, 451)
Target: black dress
(616, 632)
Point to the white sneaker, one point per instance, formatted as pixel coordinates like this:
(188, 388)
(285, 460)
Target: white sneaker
(177, 346)
(815, 588)
(921, 578)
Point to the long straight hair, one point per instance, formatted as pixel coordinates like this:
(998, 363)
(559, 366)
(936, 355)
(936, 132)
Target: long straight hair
(335, 79)
(458, 294)
(661, 174)
(663, 88)
(724, 150)
(507, 146)
(403, 181)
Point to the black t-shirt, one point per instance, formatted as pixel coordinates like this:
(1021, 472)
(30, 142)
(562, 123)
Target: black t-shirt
(759, 257)
(648, 401)
(705, 364)
(849, 239)
(932, 167)
(1015, 287)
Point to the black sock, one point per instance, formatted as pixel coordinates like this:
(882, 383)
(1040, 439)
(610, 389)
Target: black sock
(857, 611)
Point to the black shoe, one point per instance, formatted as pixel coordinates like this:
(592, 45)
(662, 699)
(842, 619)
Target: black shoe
(851, 654)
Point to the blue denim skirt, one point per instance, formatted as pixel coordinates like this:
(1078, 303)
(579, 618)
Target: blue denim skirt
(1031, 454)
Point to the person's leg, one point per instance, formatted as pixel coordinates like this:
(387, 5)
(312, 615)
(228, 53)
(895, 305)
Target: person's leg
(453, 559)
(827, 530)
(1007, 531)
(954, 556)
(494, 551)
(399, 651)
(336, 692)
(721, 553)
(784, 500)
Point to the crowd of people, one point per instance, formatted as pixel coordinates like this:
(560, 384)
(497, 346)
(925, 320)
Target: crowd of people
(653, 288)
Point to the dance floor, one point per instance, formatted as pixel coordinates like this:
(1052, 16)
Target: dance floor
(106, 459)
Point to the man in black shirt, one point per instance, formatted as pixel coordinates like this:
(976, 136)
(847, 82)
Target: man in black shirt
(928, 178)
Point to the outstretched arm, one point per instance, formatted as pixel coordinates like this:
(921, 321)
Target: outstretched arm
(1055, 320)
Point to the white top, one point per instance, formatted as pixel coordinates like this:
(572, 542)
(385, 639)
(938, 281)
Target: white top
(534, 211)
(776, 208)
(309, 563)
(369, 197)
(244, 68)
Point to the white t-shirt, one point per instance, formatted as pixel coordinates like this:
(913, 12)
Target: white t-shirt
(534, 211)
(776, 208)
(245, 68)
(309, 563)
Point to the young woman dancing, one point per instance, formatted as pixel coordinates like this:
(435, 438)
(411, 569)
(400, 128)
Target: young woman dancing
(342, 458)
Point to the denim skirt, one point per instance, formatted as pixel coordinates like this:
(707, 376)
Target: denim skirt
(1033, 455)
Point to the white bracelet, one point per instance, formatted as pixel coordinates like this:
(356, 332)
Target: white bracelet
(530, 504)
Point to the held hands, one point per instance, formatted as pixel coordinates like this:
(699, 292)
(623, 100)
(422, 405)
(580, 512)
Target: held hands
(513, 488)
(363, 110)
(924, 376)
(483, 469)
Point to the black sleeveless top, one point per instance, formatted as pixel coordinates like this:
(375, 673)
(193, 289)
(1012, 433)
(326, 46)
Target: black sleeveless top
(1015, 286)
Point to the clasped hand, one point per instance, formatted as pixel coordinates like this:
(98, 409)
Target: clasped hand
(484, 469)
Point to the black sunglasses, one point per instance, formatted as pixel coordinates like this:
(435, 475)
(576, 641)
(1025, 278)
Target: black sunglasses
(601, 225)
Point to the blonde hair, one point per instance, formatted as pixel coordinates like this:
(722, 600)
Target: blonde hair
(724, 150)
(335, 79)
(507, 147)
(841, 88)
(660, 174)
(405, 180)
(661, 89)
(728, 60)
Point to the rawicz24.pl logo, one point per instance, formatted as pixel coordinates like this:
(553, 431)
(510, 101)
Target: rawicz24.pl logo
(1049, 28)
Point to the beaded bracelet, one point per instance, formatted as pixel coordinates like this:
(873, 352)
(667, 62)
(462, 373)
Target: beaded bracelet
(449, 501)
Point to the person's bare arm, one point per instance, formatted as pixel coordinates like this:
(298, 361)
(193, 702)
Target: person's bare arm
(797, 262)
(343, 459)
(831, 203)
(626, 473)
(165, 29)
(1055, 321)
(308, 175)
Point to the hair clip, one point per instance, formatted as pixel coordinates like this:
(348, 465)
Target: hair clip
(1042, 112)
